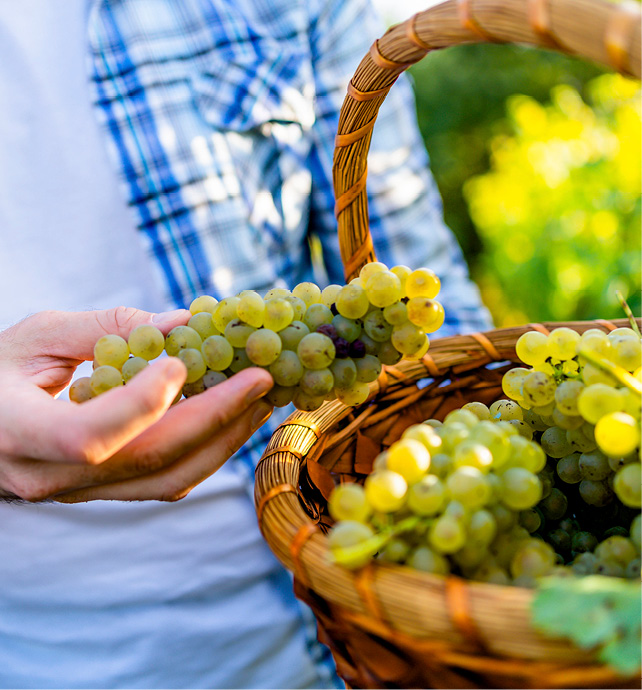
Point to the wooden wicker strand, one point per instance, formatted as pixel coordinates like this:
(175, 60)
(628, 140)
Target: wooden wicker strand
(540, 20)
(350, 138)
(413, 36)
(619, 34)
(487, 346)
(361, 96)
(275, 491)
(430, 365)
(539, 327)
(350, 194)
(469, 22)
(606, 324)
(458, 604)
(299, 541)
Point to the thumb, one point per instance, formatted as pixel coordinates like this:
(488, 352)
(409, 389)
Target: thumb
(74, 334)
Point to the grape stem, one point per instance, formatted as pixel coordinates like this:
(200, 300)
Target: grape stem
(348, 555)
(628, 312)
(622, 375)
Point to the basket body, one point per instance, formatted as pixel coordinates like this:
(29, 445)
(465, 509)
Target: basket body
(390, 626)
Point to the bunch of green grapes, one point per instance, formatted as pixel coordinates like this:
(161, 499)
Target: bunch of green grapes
(317, 344)
(481, 499)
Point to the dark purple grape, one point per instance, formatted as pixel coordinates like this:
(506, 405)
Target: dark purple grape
(329, 330)
(357, 349)
(342, 347)
(333, 309)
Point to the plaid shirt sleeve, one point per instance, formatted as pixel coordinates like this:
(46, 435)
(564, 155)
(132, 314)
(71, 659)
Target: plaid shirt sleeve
(405, 211)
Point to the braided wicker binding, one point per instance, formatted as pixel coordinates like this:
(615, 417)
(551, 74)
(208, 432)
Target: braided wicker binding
(390, 626)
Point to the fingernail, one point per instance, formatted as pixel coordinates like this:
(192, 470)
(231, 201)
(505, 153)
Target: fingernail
(168, 316)
(260, 415)
(258, 391)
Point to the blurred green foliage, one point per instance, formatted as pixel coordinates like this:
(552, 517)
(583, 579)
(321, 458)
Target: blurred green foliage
(537, 156)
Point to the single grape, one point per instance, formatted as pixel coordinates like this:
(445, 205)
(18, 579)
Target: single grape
(308, 292)
(396, 314)
(407, 338)
(469, 486)
(554, 443)
(344, 372)
(598, 400)
(447, 535)
(251, 308)
(349, 502)
(592, 375)
(217, 352)
(194, 362)
(467, 453)
(278, 315)
(617, 433)
(292, 335)
(495, 439)
(567, 396)
(316, 351)
(409, 458)
(367, 368)
(596, 493)
(225, 311)
(506, 410)
(426, 496)
(349, 533)
(512, 382)
(80, 390)
(195, 388)
(426, 313)
(213, 378)
(376, 326)
(298, 306)
(422, 282)
(402, 272)
(538, 388)
(316, 315)
(317, 382)
(104, 378)
(347, 328)
(594, 466)
(534, 558)
(146, 341)
(370, 269)
(356, 394)
(276, 292)
(286, 370)
(520, 489)
(424, 434)
(626, 352)
(305, 402)
(203, 304)
(180, 338)
(237, 332)
(240, 360)
(616, 548)
(562, 343)
(111, 350)
(263, 347)
(203, 324)
(530, 519)
(566, 422)
(383, 288)
(132, 367)
(579, 441)
(555, 505)
(568, 469)
(427, 560)
(466, 417)
(531, 347)
(386, 490)
(280, 396)
(526, 454)
(627, 484)
(329, 294)
(352, 302)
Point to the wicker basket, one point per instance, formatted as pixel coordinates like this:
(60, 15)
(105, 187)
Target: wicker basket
(390, 626)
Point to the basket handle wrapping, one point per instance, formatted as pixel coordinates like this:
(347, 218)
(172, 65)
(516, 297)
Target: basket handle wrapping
(593, 29)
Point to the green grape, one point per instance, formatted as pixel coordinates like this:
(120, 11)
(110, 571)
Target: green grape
(345, 372)
(506, 410)
(594, 375)
(632, 569)
(495, 439)
(427, 560)
(291, 335)
(418, 354)
(280, 396)
(367, 368)
(286, 370)
(386, 491)
(538, 388)
(520, 489)
(263, 347)
(213, 378)
(597, 400)
(370, 269)
(349, 329)
(555, 505)
(596, 493)
(555, 443)
(308, 292)
(195, 388)
(203, 304)
(225, 311)
(407, 338)
(534, 420)
(469, 486)
(305, 402)
(274, 293)
(424, 434)
(567, 396)
(627, 484)
(562, 343)
(316, 351)
(402, 272)
(447, 535)
(583, 542)
(530, 519)
(409, 458)
(626, 352)
(426, 496)
(194, 362)
(146, 341)
(534, 558)
(526, 454)
(422, 283)
(386, 352)
(579, 441)
(298, 306)
(616, 548)
(316, 315)
(217, 352)
(610, 569)
(512, 382)
(531, 348)
(595, 341)
(180, 338)
(80, 390)
(111, 350)
(480, 410)
(251, 308)
(317, 382)
(635, 533)
(617, 433)
(348, 502)
(396, 314)
(594, 466)
(544, 411)
(566, 422)
(396, 551)
(376, 326)
(203, 324)
(240, 360)
(103, 378)
(132, 366)
(356, 394)
(584, 563)
(352, 302)
(426, 313)
(507, 427)
(482, 527)
(470, 454)
(383, 288)
(329, 294)
(631, 403)
(349, 533)
(523, 429)
(505, 518)
(452, 435)
(441, 465)
(568, 469)
(462, 416)
(237, 333)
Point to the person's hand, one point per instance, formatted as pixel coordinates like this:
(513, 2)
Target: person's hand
(129, 443)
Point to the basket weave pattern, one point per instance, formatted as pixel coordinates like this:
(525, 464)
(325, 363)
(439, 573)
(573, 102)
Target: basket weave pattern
(390, 626)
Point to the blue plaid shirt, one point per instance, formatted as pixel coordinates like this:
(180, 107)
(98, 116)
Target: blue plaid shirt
(221, 117)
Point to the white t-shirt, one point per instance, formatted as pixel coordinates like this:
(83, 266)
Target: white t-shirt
(107, 594)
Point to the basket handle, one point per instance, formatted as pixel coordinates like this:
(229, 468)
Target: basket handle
(594, 29)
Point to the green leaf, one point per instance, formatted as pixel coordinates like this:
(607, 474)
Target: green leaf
(602, 613)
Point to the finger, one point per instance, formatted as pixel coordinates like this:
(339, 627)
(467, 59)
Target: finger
(73, 334)
(176, 481)
(92, 432)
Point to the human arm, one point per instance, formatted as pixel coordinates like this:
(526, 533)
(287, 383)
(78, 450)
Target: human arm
(405, 211)
(127, 444)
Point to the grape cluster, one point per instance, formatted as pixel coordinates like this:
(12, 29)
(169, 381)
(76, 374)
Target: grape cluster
(509, 493)
(317, 344)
